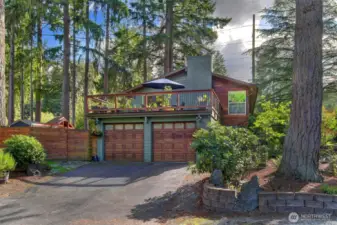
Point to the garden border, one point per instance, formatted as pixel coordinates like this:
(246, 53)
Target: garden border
(222, 200)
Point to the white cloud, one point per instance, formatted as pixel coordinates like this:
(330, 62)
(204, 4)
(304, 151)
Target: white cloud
(236, 37)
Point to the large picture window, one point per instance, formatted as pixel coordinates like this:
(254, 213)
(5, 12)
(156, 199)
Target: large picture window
(237, 102)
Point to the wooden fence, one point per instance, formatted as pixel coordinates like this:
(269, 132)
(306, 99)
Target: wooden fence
(59, 143)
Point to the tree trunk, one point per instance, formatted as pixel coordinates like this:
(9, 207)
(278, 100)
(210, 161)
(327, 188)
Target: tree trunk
(31, 78)
(168, 57)
(39, 77)
(22, 97)
(302, 143)
(66, 59)
(2, 65)
(107, 38)
(86, 69)
(11, 79)
(145, 43)
(74, 69)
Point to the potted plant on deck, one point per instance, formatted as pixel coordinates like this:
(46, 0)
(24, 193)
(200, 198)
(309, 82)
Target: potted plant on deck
(202, 101)
(166, 100)
(7, 164)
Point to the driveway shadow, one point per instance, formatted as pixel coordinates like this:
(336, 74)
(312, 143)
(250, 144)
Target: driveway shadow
(108, 174)
(185, 201)
(14, 213)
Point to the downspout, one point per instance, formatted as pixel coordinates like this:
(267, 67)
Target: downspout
(197, 120)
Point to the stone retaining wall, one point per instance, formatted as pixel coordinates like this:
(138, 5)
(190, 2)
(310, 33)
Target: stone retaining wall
(218, 199)
(297, 202)
(223, 200)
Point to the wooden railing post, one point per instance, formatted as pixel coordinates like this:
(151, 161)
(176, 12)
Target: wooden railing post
(145, 96)
(178, 101)
(115, 103)
(86, 105)
(211, 103)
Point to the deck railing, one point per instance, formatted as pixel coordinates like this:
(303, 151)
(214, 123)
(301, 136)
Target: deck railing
(165, 101)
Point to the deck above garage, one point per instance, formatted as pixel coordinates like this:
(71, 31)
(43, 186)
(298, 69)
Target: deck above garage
(187, 102)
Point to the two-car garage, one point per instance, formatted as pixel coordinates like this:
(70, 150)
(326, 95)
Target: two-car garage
(170, 141)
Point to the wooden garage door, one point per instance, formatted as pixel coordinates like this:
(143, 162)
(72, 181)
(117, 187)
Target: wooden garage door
(171, 142)
(124, 142)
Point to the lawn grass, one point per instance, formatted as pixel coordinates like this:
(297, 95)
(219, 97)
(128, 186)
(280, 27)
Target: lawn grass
(56, 167)
(59, 166)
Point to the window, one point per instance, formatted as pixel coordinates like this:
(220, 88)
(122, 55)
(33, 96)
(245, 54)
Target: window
(237, 102)
(179, 125)
(109, 127)
(128, 126)
(119, 127)
(168, 125)
(190, 125)
(139, 126)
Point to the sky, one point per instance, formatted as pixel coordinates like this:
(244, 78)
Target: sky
(236, 38)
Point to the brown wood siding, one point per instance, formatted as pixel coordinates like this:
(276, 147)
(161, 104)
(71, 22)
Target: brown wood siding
(221, 88)
(124, 142)
(59, 143)
(171, 142)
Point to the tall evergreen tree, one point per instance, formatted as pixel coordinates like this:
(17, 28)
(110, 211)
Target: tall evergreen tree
(66, 60)
(219, 63)
(275, 55)
(2, 65)
(303, 141)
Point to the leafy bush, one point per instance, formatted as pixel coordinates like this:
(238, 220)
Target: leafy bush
(7, 162)
(232, 150)
(46, 117)
(332, 190)
(277, 161)
(329, 155)
(25, 150)
(329, 126)
(271, 124)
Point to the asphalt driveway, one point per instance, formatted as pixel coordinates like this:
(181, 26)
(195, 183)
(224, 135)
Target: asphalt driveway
(99, 192)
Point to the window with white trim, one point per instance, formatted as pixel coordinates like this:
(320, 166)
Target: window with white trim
(237, 101)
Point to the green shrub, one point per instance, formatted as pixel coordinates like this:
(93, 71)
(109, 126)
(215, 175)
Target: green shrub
(330, 156)
(7, 162)
(329, 127)
(332, 190)
(277, 161)
(25, 150)
(232, 150)
(270, 125)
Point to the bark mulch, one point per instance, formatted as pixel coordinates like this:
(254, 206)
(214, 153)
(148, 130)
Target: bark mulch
(269, 180)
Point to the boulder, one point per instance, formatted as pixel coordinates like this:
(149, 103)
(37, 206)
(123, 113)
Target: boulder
(217, 178)
(36, 169)
(248, 198)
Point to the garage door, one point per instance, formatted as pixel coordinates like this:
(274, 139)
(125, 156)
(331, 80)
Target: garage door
(124, 142)
(171, 142)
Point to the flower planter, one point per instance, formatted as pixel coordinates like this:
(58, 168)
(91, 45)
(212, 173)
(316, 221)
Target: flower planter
(202, 105)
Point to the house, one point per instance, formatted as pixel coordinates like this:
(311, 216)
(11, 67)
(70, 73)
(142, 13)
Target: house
(61, 121)
(136, 126)
(28, 123)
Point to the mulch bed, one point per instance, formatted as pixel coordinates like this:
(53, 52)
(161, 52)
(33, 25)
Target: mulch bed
(18, 183)
(269, 181)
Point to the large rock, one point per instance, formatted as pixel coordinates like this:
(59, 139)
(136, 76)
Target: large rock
(36, 169)
(248, 198)
(217, 178)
